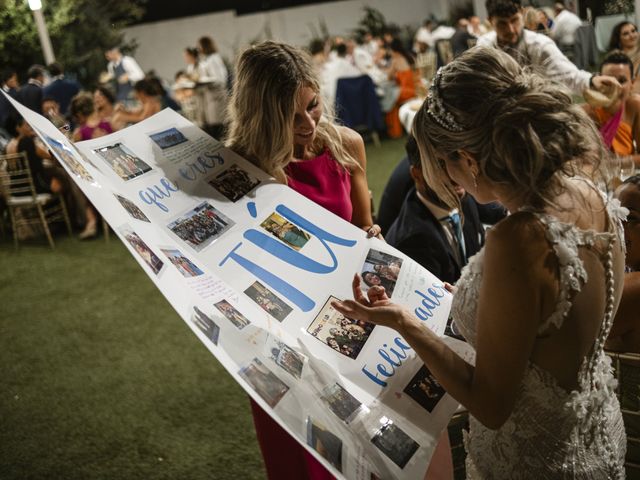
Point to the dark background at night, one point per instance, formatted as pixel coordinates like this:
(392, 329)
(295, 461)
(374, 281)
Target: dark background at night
(161, 10)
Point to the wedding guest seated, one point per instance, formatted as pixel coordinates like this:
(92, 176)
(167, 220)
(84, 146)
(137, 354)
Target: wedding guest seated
(400, 71)
(149, 97)
(427, 230)
(50, 178)
(104, 102)
(624, 36)
(619, 119)
(625, 333)
(45, 179)
(399, 184)
(51, 110)
(460, 40)
(337, 67)
(88, 123)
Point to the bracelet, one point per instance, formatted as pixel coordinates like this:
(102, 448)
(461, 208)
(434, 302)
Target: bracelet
(591, 81)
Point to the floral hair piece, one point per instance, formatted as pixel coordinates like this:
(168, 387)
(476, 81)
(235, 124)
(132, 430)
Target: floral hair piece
(437, 110)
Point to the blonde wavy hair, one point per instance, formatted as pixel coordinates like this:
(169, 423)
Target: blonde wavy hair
(269, 77)
(523, 129)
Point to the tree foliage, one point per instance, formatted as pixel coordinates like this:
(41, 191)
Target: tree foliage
(80, 31)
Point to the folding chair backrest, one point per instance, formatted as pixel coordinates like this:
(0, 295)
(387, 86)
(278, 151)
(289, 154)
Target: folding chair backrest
(16, 175)
(357, 103)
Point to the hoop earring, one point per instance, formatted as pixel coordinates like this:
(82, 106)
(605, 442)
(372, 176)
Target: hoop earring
(475, 180)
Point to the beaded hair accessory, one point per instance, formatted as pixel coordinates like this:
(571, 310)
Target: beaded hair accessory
(437, 110)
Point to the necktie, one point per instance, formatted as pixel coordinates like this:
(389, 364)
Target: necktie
(454, 219)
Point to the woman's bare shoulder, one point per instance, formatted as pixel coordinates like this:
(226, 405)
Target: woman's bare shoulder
(353, 144)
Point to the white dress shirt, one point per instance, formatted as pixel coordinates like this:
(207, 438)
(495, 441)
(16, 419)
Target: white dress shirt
(564, 28)
(541, 53)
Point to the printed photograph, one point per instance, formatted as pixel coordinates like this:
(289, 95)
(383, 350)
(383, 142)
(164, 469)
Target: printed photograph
(264, 382)
(168, 138)
(132, 209)
(343, 334)
(201, 226)
(231, 314)
(380, 269)
(182, 263)
(234, 183)
(285, 231)
(394, 443)
(206, 325)
(66, 156)
(341, 402)
(325, 443)
(452, 331)
(123, 161)
(142, 249)
(285, 357)
(425, 389)
(268, 301)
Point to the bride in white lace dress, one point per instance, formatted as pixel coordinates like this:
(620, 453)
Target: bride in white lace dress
(538, 301)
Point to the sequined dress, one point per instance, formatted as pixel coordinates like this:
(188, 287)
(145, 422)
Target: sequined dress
(552, 433)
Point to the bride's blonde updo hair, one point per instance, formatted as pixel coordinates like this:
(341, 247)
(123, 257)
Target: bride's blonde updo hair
(269, 77)
(523, 129)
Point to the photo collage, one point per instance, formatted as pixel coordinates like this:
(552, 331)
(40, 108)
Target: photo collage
(344, 405)
(66, 156)
(185, 266)
(142, 249)
(285, 357)
(268, 301)
(286, 231)
(234, 183)
(380, 269)
(394, 442)
(266, 384)
(200, 226)
(425, 389)
(132, 209)
(126, 164)
(344, 335)
(232, 314)
(168, 138)
(325, 443)
(206, 325)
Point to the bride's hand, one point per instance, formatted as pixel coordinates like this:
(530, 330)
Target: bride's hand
(375, 308)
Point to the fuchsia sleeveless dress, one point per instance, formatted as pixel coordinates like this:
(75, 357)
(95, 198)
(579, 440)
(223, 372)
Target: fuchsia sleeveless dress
(323, 180)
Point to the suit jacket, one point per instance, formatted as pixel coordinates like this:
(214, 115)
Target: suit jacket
(419, 234)
(30, 95)
(6, 108)
(399, 183)
(62, 90)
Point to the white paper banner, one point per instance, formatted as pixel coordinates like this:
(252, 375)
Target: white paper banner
(251, 266)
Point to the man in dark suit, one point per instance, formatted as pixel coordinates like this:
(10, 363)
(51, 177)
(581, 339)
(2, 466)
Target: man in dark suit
(30, 94)
(9, 83)
(61, 89)
(425, 232)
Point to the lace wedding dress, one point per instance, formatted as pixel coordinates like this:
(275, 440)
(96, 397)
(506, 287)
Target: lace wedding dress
(552, 433)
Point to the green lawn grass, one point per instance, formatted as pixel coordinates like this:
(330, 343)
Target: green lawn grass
(99, 377)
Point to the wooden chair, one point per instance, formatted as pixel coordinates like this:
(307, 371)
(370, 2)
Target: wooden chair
(18, 189)
(445, 52)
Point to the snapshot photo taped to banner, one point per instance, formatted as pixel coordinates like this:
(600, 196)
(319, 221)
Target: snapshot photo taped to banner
(251, 267)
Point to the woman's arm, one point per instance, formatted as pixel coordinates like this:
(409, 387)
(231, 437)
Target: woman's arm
(360, 198)
(508, 316)
(40, 150)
